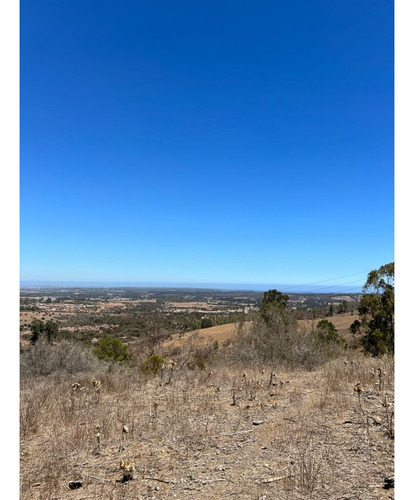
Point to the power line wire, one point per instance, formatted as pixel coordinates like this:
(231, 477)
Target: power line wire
(331, 279)
(340, 284)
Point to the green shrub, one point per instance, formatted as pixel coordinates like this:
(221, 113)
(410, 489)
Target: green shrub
(152, 365)
(111, 349)
(326, 332)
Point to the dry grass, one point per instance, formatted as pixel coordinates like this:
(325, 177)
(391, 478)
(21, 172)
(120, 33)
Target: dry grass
(220, 334)
(225, 434)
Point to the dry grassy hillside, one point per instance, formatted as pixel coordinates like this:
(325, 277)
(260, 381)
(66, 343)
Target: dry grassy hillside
(218, 334)
(223, 333)
(203, 435)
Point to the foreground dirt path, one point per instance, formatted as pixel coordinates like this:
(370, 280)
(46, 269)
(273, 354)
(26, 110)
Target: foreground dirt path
(212, 435)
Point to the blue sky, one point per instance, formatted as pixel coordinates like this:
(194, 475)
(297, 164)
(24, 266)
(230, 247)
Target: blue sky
(214, 142)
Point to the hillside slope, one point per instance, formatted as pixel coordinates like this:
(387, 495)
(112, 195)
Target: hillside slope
(223, 333)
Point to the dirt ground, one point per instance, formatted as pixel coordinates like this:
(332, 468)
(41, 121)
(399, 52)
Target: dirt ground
(229, 433)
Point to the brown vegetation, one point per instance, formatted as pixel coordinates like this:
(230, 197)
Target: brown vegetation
(224, 433)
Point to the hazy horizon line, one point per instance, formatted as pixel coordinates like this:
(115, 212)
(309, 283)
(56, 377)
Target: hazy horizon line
(293, 288)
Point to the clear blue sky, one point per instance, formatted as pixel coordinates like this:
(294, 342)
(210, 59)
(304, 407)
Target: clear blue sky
(214, 142)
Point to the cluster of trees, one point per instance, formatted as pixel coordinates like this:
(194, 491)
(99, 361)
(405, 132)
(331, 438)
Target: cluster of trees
(48, 329)
(375, 325)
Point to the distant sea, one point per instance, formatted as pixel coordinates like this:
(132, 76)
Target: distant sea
(255, 287)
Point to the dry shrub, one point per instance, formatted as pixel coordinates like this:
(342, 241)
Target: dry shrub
(203, 356)
(44, 358)
(354, 368)
(274, 338)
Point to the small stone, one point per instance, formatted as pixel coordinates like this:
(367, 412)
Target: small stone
(388, 483)
(258, 422)
(74, 485)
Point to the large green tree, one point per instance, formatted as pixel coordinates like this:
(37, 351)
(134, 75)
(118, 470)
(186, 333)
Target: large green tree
(376, 310)
(273, 298)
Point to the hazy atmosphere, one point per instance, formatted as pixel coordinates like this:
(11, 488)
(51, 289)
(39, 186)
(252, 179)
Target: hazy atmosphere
(213, 143)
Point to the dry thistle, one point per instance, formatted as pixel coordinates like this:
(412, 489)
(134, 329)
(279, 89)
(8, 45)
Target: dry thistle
(359, 389)
(127, 468)
(97, 449)
(96, 384)
(389, 415)
(380, 381)
(124, 431)
(233, 403)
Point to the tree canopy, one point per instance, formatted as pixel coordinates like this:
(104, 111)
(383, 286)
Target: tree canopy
(38, 327)
(376, 310)
(275, 298)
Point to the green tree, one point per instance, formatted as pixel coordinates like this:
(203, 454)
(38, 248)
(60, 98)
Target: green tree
(327, 332)
(343, 307)
(376, 310)
(111, 349)
(51, 329)
(37, 327)
(273, 298)
(206, 323)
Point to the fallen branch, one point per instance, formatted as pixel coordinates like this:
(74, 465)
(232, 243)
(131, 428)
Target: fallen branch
(167, 481)
(234, 433)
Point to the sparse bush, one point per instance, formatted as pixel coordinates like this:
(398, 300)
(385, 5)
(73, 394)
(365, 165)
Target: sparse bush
(44, 358)
(152, 365)
(274, 337)
(202, 356)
